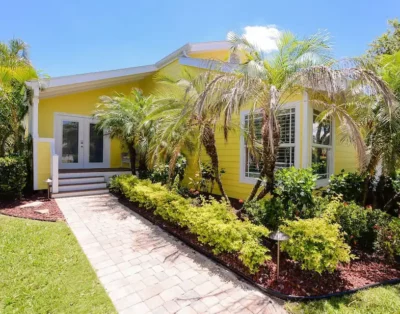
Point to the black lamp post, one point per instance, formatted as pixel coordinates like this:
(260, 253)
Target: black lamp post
(278, 236)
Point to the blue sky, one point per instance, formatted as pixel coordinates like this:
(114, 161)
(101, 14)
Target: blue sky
(70, 37)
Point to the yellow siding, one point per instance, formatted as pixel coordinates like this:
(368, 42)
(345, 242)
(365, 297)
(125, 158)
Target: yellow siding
(44, 164)
(81, 104)
(345, 154)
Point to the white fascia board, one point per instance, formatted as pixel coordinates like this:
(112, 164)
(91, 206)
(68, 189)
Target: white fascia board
(208, 64)
(210, 46)
(97, 76)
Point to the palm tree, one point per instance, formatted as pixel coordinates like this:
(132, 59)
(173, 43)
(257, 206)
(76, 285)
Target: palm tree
(189, 111)
(266, 82)
(15, 64)
(15, 70)
(121, 117)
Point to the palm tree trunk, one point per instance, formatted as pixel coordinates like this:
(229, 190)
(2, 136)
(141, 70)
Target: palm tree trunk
(132, 156)
(172, 164)
(257, 185)
(208, 140)
(269, 155)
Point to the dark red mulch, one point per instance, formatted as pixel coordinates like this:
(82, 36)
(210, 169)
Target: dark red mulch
(12, 208)
(293, 280)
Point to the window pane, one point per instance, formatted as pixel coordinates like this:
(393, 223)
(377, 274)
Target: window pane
(70, 142)
(96, 144)
(321, 130)
(286, 120)
(320, 162)
(285, 156)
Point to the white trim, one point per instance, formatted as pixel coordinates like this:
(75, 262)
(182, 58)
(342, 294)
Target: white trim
(97, 76)
(331, 158)
(208, 64)
(84, 154)
(306, 132)
(242, 159)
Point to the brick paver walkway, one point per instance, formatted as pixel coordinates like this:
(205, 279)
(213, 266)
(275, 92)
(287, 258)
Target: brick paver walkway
(145, 270)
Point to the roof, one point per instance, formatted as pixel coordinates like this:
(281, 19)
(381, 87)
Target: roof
(82, 82)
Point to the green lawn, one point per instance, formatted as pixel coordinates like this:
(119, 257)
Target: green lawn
(382, 300)
(43, 270)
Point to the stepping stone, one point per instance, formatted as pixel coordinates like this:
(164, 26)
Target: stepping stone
(33, 204)
(41, 211)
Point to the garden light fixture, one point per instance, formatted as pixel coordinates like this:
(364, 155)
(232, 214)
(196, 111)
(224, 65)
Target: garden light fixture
(48, 181)
(278, 236)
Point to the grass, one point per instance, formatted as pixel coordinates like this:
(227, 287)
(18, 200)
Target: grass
(382, 300)
(43, 270)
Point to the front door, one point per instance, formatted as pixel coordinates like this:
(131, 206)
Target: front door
(79, 144)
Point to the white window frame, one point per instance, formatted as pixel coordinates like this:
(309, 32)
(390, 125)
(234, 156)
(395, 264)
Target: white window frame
(331, 147)
(243, 114)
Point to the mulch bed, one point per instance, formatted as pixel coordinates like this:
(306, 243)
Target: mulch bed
(12, 208)
(365, 270)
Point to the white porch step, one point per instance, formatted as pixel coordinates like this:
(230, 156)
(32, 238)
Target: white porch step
(80, 193)
(82, 186)
(80, 180)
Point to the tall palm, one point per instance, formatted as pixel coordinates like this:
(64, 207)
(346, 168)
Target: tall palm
(267, 82)
(15, 64)
(189, 110)
(121, 117)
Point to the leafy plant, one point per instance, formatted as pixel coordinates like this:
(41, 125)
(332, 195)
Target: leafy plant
(294, 186)
(352, 218)
(388, 239)
(350, 185)
(213, 222)
(12, 177)
(316, 243)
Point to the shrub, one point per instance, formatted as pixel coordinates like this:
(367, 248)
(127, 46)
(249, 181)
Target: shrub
(160, 172)
(316, 243)
(272, 212)
(352, 218)
(388, 239)
(348, 184)
(295, 187)
(12, 177)
(214, 223)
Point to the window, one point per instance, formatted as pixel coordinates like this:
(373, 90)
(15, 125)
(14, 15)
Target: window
(286, 151)
(321, 147)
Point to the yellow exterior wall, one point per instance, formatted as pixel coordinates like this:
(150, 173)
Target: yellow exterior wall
(345, 154)
(44, 164)
(83, 103)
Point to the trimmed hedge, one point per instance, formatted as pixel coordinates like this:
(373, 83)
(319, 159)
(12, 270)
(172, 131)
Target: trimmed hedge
(12, 177)
(316, 243)
(213, 222)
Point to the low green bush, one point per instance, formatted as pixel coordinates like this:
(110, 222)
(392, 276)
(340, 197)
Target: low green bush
(295, 186)
(213, 222)
(352, 218)
(348, 185)
(316, 244)
(13, 176)
(272, 212)
(388, 239)
(160, 172)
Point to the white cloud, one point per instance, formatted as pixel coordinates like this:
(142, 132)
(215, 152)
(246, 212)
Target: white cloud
(263, 37)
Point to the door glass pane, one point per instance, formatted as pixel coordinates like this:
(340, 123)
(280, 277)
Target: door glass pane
(320, 162)
(96, 144)
(70, 142)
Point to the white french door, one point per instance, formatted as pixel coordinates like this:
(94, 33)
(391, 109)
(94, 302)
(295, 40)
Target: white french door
(79, 144)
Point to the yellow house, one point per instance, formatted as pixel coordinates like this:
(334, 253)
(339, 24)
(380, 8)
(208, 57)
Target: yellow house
(79, 160)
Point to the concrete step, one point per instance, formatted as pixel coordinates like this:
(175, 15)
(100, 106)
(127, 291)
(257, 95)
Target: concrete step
(82, 187)
(80, 180)
(80, 193)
